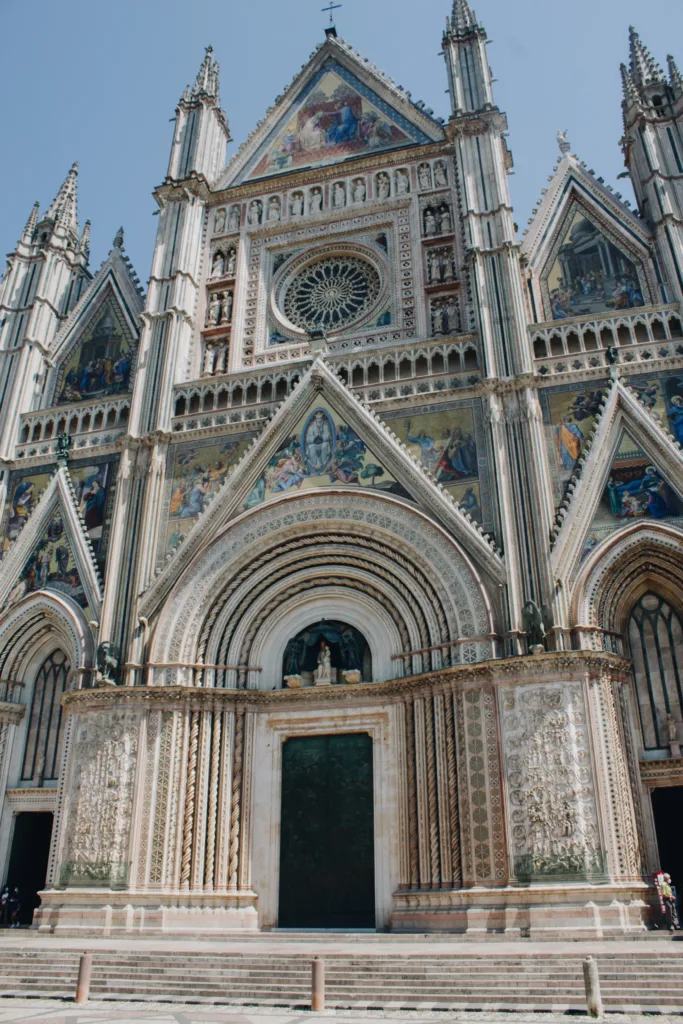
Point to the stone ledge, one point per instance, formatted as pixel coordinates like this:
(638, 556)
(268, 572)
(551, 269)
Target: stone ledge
(551, 666)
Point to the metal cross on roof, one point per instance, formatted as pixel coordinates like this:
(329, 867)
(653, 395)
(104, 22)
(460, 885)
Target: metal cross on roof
(330, 8)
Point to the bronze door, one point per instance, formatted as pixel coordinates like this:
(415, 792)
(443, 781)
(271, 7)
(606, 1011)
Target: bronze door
(327, 871)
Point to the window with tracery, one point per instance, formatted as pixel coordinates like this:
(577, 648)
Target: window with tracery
(42, 753)
(655, 637)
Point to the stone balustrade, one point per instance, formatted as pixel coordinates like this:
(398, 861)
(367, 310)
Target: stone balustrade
(89, 424)
(250, 396)
(642, 335)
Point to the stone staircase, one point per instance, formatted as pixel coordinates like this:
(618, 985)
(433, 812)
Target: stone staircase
(642, 981)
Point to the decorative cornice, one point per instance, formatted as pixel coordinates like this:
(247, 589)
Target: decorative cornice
(669, 769)
(565, 666)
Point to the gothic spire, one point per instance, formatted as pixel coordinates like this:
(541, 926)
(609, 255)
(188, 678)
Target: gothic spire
(463, 18)
(675, 77)
(206, 84)
(644, 68)
(64, 206)
(84, 243)
(118, 239)
(27, 234)
(628, 86)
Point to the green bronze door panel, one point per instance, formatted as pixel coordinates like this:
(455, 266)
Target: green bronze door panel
(327, 857)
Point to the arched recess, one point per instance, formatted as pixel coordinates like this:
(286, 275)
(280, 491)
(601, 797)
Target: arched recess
(365, 558)
(643, 558)
(42, 620)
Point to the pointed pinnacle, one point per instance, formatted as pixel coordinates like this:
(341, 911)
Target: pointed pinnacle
(27, 233)
(463, 19)
(206, 82)
(64, 206)
(675, 77)
(84, 243)
(628, 86)
(643, 67)
(118, 239)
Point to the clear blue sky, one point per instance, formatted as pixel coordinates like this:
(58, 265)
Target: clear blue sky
(98, 82)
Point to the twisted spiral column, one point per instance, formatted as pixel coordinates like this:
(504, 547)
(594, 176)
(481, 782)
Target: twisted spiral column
(431, 793)
(190, 791)
(412, 796)
(453, 791)
(235, 808)
(213, 801)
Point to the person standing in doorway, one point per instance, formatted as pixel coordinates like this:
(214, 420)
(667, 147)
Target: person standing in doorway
(14, 905)
(4, 907)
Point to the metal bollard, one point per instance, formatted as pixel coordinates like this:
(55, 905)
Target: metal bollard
(591, 980)
(83, 983)
(318, 986)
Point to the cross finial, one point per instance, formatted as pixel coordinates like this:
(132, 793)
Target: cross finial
(331, 7)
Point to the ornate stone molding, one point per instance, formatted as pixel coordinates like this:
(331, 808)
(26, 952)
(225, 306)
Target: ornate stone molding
(565, 666)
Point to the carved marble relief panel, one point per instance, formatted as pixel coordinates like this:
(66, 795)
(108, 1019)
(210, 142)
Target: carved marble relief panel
(100, 801)
(552, 811)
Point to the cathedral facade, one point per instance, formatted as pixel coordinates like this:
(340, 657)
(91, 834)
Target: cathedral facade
(342, 571)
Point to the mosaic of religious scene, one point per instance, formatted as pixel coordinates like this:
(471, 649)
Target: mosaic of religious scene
(195, 474)
(663, 396)
(337, 118)
(635, 491)
(50, 565)
(322, 451)
(92, 487)
(572, 415)
(100, 365)
(444, 442)
(590, 275)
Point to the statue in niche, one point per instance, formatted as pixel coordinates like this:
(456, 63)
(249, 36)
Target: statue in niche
(440, 178)
(219, 222)
(108, 659)
(274, 208)
(255, 211)
(214, 312)
(671, 726)
(234, 219)
(227, 308)
(402, 183)
(232, 263)
(429, 221)
(316, 200)
(296, 206)
(424, 176)
(383, 186)
(445, 223)
(535, 626)
(218, 267)
(339, 196)
(323, 673)
(359, 191)
(434, 266)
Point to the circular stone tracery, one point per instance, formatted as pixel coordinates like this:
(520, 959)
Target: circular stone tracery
(332, 293)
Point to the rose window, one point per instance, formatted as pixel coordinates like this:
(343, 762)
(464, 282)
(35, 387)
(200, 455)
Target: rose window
(332, 293)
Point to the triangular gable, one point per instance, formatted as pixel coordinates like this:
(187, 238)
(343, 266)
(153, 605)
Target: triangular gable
(322, 436)
(93, 355)
(337, 108)
(636, 491)
(632, 470)
(53, 552)
(587, 252)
